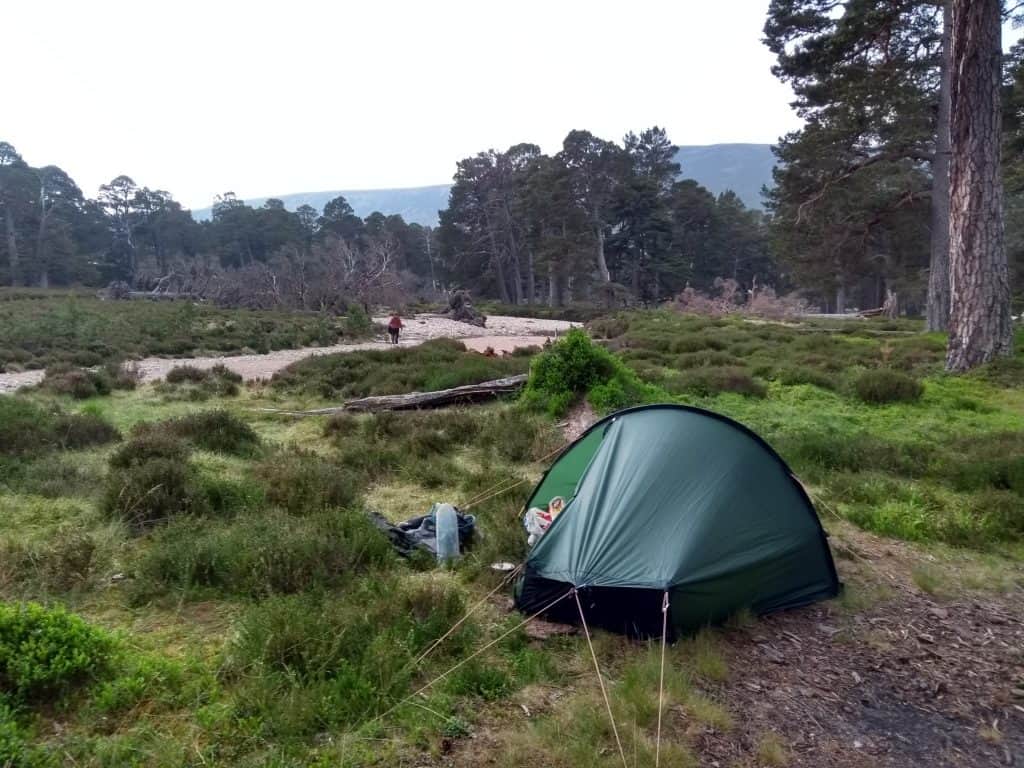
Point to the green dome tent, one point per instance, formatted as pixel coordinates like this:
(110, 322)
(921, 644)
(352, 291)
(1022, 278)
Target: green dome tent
(678, 499)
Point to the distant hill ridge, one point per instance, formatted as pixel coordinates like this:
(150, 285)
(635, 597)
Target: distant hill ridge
(743, 168)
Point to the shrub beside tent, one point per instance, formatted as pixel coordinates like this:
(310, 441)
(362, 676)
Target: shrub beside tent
(677, 501)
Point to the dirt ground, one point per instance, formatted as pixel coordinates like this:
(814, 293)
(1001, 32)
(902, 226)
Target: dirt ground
(502, 334)
(888, 676)
(910, 679)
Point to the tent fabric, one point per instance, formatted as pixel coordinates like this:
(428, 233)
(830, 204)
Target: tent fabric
(680, 499)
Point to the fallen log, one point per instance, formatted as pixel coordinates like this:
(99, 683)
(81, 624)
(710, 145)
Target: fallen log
(871, 312)
(161, 296)
(464, 394)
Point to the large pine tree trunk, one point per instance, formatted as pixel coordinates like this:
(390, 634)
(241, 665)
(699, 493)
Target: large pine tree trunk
(602, 263)
(517, 279)
(980, 325)
(41, 261)
(499, 267)
(937, 312)
(531, 279)
(502, 282)
(12, 246)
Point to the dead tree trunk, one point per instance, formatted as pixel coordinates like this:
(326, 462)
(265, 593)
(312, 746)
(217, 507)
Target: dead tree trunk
(980, 326)
(937, 311)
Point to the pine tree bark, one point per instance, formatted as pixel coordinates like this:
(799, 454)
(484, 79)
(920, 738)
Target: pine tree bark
(502, 282)
(41, 262)
(531, 279)
(602, 263)
(12, 246)
(980, 323)
(937, 309)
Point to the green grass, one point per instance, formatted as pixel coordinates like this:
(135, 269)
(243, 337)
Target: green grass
(43, 328)
(772, 752)
(270, 624)
(862, 412)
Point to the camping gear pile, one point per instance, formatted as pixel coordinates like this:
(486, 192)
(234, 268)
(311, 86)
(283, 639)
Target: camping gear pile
(673, 510)
(443, 531)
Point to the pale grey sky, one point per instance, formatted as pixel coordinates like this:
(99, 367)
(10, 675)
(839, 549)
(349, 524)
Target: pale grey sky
(268, 98)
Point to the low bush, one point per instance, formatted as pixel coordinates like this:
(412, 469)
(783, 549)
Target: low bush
(186, 382)
(479, 680)
(146, 680)
(798, 374)
(82, 383)
(710, 381)
(50, 476)
(64, 562)
(572, 368)
(26, 429)
(814, 450)
(992, 461)
(341, 425)
(123, 375)
(186, 373)
(706, 357)
(357, 322)
(262, 553)
(46, 653)
(341, 661)
(226, 496)
(81, 329)
(882, 385)
(436, 471)
(148, 445)
(436, 364)
(152, 481)
(77, 383)
(303, 482)
(219, 431)
(608, 327)
(1003, 371)
(421, 445)
(152, 492)
(83, 430)
(15, 748)
(923, 511)
(520, 437)
(690, 344)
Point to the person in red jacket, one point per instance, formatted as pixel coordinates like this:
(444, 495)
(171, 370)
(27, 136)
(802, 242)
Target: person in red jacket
(394, 326)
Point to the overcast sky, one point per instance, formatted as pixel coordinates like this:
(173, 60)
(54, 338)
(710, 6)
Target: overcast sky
(266, 98)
